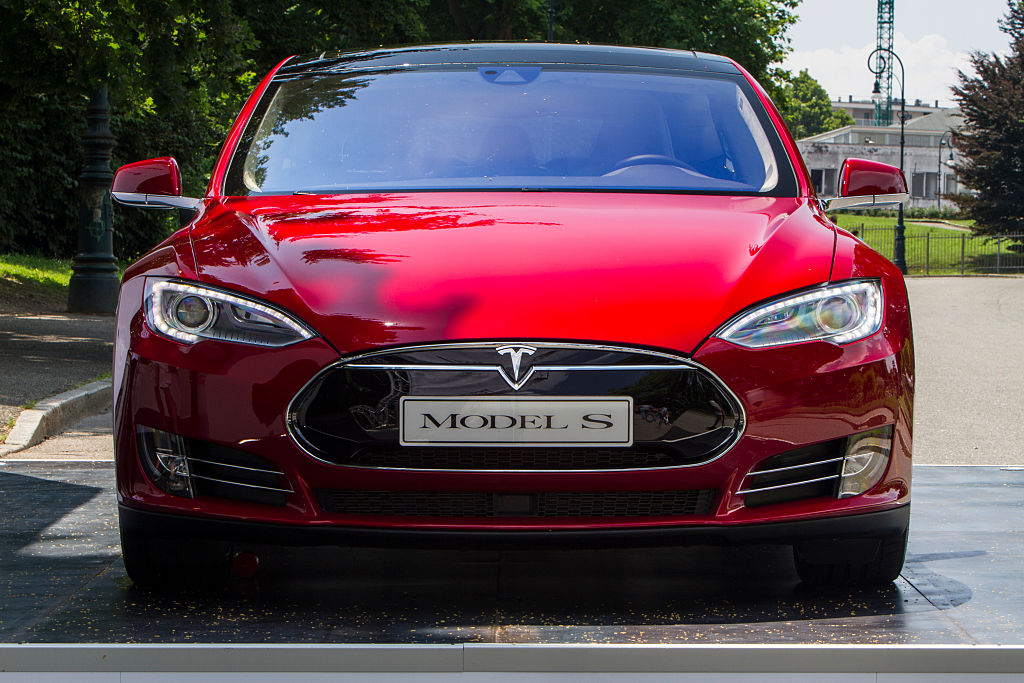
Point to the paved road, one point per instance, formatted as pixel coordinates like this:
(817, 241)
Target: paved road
(969, 335)
(62, 581)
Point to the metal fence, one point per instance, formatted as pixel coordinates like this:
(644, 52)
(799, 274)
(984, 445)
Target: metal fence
(956, 253)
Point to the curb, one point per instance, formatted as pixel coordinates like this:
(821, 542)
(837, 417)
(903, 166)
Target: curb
(531, 662)
(55, 414)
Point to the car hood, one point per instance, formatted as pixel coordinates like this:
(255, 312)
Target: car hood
(656, 270)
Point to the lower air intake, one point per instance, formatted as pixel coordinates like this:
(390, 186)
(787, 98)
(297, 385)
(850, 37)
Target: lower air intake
(499, 458)
(224, 472)
(808, 472)
(545, 504)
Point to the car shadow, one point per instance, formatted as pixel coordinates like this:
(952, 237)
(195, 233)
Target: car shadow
(697, 594)
(65, 583)
(44, 556)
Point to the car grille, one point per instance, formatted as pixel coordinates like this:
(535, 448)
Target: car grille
(546, 504)
(349, 414)
(500, 458)
(806, 472)
(228, 473)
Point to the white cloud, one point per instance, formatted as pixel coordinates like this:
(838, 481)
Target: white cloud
(931, 68)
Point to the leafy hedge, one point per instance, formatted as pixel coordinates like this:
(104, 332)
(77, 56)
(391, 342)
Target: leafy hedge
(179, 70)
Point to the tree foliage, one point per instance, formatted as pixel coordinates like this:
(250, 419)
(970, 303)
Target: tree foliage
(753, 32)
(286, 27)
(991, 142)
(808, 109)
(179, 70)
(176, 71)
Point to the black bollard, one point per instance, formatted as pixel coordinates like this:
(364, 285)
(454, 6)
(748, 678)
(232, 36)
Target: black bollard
(94, 282)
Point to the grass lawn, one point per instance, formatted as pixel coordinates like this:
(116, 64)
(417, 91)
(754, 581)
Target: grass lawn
(44, 271)
(868, 223)
(932, 250)
(33, 284)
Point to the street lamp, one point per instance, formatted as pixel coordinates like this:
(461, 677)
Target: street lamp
(938, 173)
(899, 254)
(94, 282)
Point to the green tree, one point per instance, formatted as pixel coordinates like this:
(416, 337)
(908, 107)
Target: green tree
(991, 142)
(287, 27)
(753, 32)
(177, 74)
(458, 20)
(179, 70)
(808, 109)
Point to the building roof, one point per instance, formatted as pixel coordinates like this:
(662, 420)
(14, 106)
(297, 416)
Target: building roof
(941, 120)
(931, 124)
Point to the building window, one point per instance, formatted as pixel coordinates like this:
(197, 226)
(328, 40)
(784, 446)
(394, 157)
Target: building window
(830, 183)
(923, 185)
(817, 177)
(951, 186)
(824, 181)
(921, 141)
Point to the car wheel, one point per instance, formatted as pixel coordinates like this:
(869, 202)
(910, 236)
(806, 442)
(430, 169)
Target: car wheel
(171, 565)
(851, 562)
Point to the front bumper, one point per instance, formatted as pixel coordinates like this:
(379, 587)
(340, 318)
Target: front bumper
(237, 397)
(874, 525)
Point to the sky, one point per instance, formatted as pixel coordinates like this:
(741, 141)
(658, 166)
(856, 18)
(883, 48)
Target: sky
(832, 40)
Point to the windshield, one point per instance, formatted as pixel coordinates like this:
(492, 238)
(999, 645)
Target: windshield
(508, 127)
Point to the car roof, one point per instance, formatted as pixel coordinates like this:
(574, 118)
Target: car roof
(500, 53)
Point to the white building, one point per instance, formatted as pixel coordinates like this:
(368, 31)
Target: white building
(863, 111)
(927, 155)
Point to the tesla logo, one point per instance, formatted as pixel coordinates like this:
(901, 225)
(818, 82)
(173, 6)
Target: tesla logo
(515, 353)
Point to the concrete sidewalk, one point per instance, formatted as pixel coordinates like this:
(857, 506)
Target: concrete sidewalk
(44, 355)
(88, 440)
(969, 341)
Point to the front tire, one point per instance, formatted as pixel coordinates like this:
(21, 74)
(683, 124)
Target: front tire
(171, 565)
(851, 562)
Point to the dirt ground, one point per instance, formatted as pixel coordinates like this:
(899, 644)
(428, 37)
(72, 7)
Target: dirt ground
(22, 298)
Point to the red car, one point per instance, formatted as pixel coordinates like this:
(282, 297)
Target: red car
(519, 295)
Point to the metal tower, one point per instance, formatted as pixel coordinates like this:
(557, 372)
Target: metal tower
(883, 64)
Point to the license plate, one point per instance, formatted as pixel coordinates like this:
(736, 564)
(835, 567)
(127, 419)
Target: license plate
(554, 421)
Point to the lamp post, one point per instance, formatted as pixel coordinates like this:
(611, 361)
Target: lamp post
(938, 170)
(94, 282)
(899, 254)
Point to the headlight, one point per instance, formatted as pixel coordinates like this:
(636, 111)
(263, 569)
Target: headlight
(839, 314)
(189, 313)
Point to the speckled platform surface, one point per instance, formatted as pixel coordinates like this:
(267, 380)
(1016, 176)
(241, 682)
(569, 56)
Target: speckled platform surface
(61, 581)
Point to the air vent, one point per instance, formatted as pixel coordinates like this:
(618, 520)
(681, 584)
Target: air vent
(190, 468)
(512, 459)
(806, 472)
(228, 473)
(583, 504)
